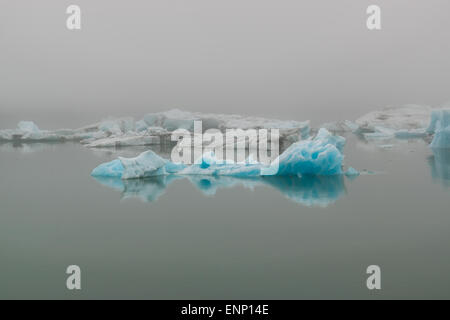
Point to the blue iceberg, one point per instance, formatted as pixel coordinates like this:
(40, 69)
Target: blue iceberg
(352, 172)
(440, 126)
(112, 169)
(319, 156)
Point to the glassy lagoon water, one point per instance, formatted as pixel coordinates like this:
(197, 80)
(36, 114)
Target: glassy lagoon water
(224, 238)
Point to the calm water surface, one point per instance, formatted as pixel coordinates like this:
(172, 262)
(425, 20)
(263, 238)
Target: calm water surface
(211, 238)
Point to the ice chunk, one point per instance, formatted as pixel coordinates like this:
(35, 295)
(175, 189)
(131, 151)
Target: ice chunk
(111, 127)
(325, 137)
(440, 126)
(352, 126)
(172, 167)
(225, 169)
(28, 131)
(341, 126)
(110, 169)
(411, 134)
(157, 124)
(146, 164)
(380, 133)
(397, 118)
(320, 156)
(141, 125)
(28, 127)
(352, 172)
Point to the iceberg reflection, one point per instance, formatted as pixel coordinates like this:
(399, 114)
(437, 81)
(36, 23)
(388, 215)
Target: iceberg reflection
(440, 166)
(310, 191)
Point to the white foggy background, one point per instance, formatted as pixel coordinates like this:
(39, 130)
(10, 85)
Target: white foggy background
(290, 59)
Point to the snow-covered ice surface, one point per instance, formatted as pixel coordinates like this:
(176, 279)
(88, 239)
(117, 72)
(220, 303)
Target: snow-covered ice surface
(154, 128)
(319, 156)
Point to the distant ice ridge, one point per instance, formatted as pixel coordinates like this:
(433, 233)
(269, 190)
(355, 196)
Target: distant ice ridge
(319, 156)
(28, 131)
(154, 128)
(440, 165)
(404, 122)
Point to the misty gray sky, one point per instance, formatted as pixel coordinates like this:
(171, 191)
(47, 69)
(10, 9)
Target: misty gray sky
(292, 59)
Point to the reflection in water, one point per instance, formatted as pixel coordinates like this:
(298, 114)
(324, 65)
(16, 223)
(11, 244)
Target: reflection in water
(311, 191)
(26, 148)
(440, 166)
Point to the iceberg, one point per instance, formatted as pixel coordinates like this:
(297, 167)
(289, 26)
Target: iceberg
(155, 128)
(147, 164)
(319, 156)
(411, 134)
(397, 118)
(28, 131)
(112, 169)
(352, 172)
(28, 127)
(406, 122)
(440, 126)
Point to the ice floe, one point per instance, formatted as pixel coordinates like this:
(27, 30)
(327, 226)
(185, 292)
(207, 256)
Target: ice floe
(352, 172)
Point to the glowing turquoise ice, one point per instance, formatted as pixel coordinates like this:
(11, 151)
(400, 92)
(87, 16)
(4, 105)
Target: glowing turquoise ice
(440, 126)
(319, 156)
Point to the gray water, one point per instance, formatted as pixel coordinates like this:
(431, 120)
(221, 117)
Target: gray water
(210, 238)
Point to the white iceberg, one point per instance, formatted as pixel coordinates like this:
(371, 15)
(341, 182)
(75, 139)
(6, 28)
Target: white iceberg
(406, 122)
(411, 134)
(28, 127)
(398, 118)
(112, 169)
(28, 131)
